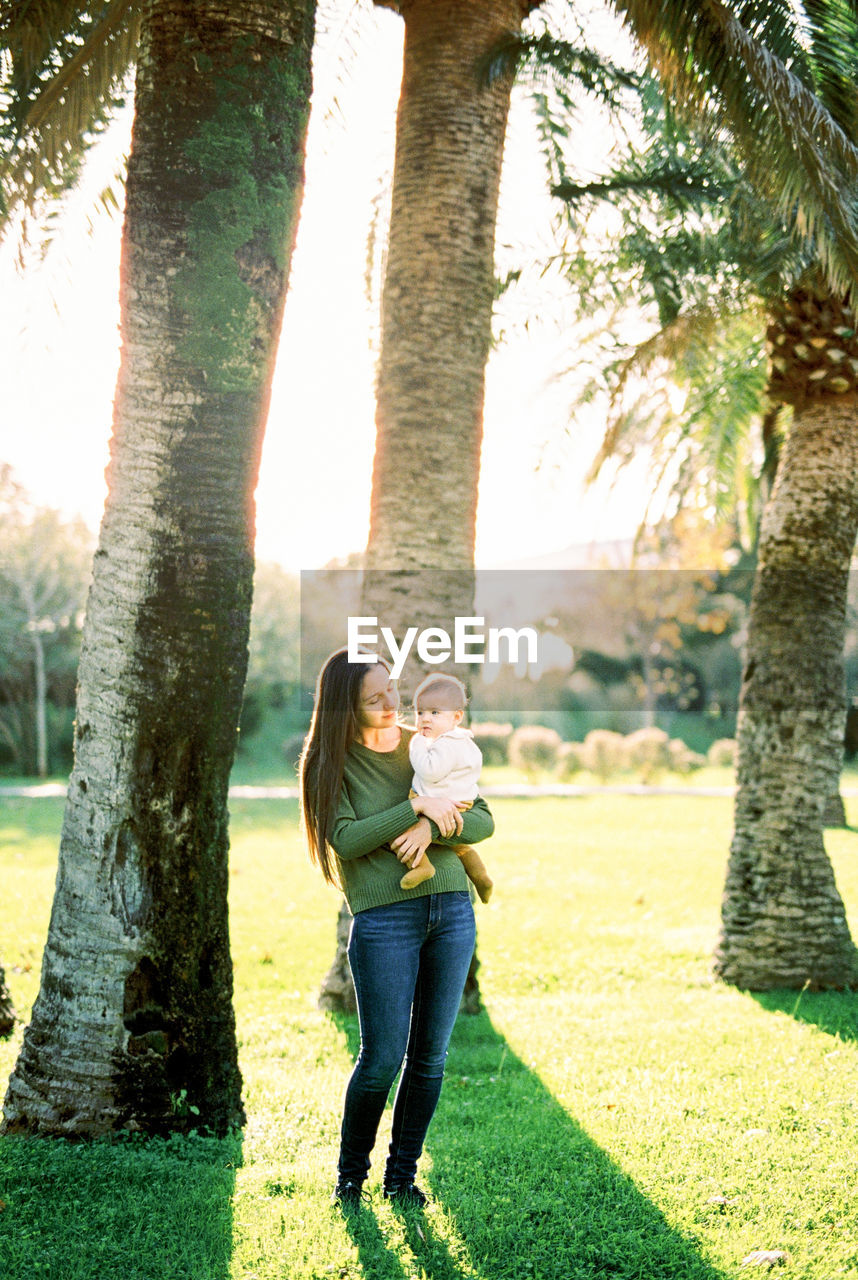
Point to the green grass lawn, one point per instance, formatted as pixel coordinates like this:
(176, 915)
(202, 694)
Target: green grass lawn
(612, 1113)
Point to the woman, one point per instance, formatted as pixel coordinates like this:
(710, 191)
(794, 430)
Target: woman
(409, 950)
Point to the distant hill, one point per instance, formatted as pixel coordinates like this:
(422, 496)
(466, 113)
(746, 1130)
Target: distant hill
(589, 555)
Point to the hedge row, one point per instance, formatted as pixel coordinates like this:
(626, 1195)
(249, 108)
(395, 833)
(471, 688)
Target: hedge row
(649, 752)
(538, 750)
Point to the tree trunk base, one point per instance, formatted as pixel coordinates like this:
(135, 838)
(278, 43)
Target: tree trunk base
(337, 992)
(834, 813)
(7, 1012)
(776, 935)
(471, 1000)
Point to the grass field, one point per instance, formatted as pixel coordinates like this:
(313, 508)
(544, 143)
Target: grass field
(612, 1113)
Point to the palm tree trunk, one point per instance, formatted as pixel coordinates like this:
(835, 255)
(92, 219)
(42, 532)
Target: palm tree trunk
(783, 921)
(436, 318)
(439, 283)
(133, 1025)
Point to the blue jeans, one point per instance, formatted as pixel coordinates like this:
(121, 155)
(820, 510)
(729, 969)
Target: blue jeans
(409, 961)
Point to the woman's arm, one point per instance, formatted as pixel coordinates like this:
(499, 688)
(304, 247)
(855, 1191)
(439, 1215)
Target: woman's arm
(413, 843)
(353, 837)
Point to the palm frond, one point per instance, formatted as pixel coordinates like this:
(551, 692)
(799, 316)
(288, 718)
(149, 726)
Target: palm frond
(116, 33)
(796, 152)
(546, 55)
(707, 443)
(687, 185)
(62, 80)
(692, 246)
(833, 39)
(29, 29)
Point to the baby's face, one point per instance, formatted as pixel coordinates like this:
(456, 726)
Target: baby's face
(435, 718)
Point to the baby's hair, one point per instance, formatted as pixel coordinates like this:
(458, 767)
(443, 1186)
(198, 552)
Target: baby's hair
(450, 685)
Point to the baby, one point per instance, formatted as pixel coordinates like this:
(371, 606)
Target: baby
(446, 762)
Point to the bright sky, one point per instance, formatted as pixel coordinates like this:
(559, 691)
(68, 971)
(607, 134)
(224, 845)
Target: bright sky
(59, 344)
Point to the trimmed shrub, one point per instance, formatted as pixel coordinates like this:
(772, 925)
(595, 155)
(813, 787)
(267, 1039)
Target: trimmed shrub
(722, 753)
(682, 758)
(648, 751)
(534, 748)
(493, 741)
(570, 760)
(603, 753)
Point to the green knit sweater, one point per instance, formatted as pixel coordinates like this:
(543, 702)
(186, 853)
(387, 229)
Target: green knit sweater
(374, 808)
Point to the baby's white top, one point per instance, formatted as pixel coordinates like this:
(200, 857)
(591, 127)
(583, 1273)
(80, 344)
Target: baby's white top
(446, 766)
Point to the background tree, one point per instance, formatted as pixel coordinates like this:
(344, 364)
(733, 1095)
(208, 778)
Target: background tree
(645, 611)
(271, 703)
(436, 314)
(133, 1024)
(44, 573)
(435, 338)
(783, 921)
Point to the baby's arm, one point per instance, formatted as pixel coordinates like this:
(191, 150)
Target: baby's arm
(433, 759)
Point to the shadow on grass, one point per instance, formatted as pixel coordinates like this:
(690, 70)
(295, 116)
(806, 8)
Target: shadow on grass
(529, 1194)
(117, 1209)
(834, 1012)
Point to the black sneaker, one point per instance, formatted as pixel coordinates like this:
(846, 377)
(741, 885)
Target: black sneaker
(349, 1197)
(406, 1195)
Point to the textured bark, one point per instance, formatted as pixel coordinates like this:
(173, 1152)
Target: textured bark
(813, 345)
(436, 318)
(338, 990)
(133, 1025)
(834, 813)
(7, 1013)
(439, 284)
(783, 922)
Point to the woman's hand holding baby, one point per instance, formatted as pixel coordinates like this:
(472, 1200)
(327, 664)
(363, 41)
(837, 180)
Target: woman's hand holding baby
(413, 843)
(444, 813)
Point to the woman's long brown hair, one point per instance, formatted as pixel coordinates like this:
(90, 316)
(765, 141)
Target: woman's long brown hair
(333, 728)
